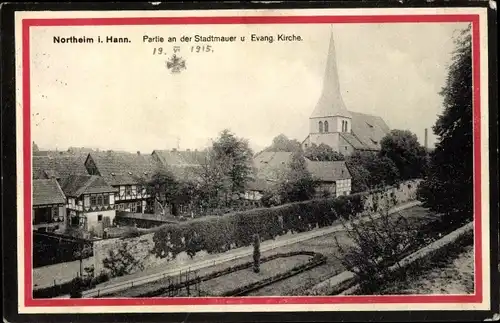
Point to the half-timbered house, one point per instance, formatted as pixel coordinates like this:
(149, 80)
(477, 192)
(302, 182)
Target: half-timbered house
(49, 205)
(90, 202)
(128, 174)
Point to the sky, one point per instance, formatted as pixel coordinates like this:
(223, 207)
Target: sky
(122, 97)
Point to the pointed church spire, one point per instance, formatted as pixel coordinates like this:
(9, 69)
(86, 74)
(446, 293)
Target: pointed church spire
(330, 102)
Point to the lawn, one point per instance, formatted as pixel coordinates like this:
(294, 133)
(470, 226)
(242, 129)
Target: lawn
(451, 275)
(219, 286)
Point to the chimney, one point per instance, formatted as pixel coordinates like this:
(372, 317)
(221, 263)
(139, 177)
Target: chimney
(426, 138)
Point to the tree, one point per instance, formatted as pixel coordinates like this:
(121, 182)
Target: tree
(282, 143)
(376, 244)
(214, 182)
(322, 152)
(371, 170)
(237, 157)
(448, 188)
(360, 176)
(256, 253)
(163, 187)
(298, 184)
(403, 148)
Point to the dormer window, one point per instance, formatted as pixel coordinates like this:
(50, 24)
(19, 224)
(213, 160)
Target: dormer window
(130, 173)
(112, 174)
(369, 125)
(374, 141)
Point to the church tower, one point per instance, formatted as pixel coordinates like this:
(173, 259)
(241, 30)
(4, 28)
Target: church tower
(330, 116)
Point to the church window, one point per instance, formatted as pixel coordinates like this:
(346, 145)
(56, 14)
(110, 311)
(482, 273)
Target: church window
(321, 126)
(326, 126)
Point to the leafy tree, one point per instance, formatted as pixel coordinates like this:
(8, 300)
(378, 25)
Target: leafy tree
(163, 187)
(360, 176)
(298, 184)
(376, 244)
(448, 189)
(322, 152)
(403, 148)
(371, 170)
(236, 157)
(282, 143)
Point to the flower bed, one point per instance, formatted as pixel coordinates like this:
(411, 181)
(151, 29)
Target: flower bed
(315, 260)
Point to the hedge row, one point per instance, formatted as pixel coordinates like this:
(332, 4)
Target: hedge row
(216, 234)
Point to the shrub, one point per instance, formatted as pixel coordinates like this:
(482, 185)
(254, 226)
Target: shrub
(377, 244)
(122, 261)
(256, 253)
(76, 288)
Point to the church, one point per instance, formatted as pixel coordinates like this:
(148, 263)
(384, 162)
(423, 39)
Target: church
(332, 124)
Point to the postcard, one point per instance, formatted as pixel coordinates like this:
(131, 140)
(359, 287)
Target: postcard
(271, 160)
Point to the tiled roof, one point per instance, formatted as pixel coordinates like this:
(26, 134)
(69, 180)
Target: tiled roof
(368, 129)
(186, 173)
(328, 171)
(122, 168)
(58, 166)
(260, 184)
(47, 191)
(353, 141)
(76, 185)
(180, 158)
(270, 165)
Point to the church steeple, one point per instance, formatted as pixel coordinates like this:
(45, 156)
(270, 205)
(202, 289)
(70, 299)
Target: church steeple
(330, 103)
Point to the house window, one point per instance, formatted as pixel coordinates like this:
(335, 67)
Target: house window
(321, 126)
(93, 201)
(55, 213)
(99, 218)
(326, 126)
(105, 199)
(99, 200)
(128, 190)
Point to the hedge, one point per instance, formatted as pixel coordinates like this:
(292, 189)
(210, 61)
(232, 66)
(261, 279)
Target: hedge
(216, 234)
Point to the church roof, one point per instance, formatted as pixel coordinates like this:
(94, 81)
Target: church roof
(330, 102)
(367, 130)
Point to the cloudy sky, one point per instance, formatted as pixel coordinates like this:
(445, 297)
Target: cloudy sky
(122, 97)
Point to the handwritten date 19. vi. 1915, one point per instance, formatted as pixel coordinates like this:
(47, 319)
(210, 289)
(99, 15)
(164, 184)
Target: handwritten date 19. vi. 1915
(192, 49)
